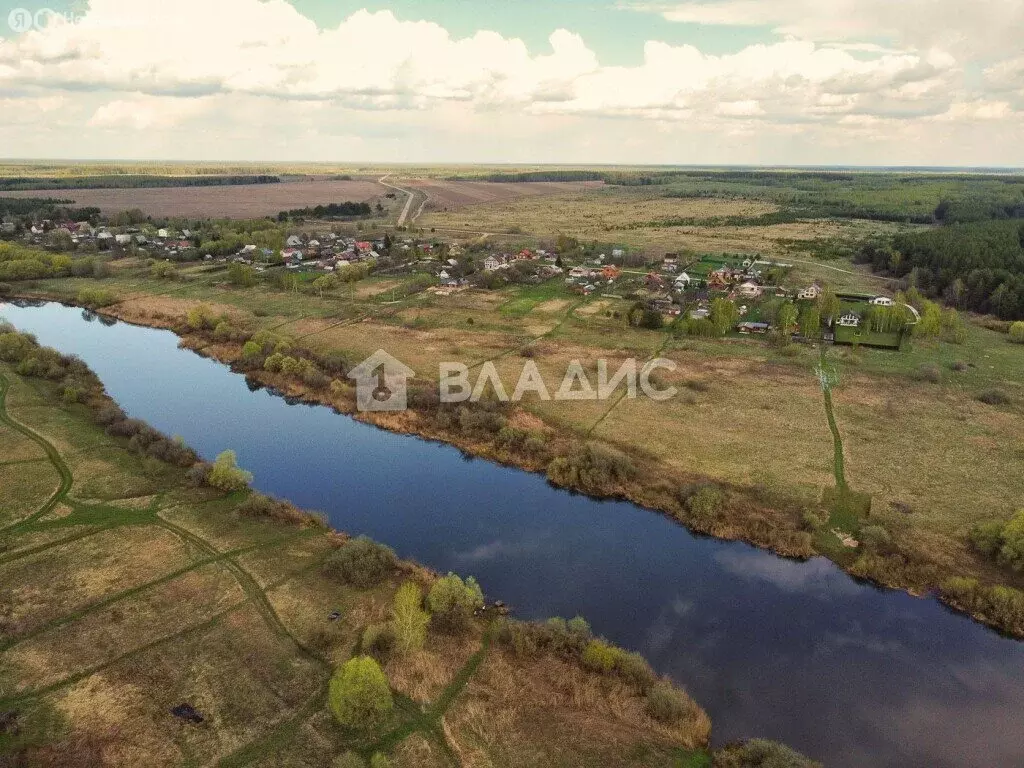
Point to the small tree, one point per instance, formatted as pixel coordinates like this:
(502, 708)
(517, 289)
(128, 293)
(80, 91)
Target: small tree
(226, 474)
(723, 315)
(810, 322)
(1011, 554)
(828, 305)
(1017, 332)
(409, 619)
(360, 696)
(786, 317)
(453, 602)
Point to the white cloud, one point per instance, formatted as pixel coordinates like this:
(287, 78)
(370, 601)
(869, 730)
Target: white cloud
(256, 77)
(979, 28)
(142, 112)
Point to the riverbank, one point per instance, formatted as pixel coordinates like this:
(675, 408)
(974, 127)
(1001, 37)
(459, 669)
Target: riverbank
(769, 516)
(131, 591)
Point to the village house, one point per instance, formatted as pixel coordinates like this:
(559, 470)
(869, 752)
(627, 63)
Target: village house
(682, 281)
(654, 282)
(753, 327)
(882, 301)
(810, 293)
(720, 279)
(293, 241)
(750, 290)
(610, 272)
(122, 239)
(491, 264)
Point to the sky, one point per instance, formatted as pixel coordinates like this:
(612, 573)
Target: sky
(741, 82)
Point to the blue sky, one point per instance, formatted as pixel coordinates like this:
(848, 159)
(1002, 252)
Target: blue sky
(873, 82)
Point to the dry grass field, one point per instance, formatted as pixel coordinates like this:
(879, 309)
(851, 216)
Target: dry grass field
(453, 195)
(640, 218)
(241, 201)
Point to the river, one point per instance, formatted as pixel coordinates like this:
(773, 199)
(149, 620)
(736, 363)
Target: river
(797, 652)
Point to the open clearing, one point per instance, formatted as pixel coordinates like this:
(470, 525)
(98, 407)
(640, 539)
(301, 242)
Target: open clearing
(451, 195)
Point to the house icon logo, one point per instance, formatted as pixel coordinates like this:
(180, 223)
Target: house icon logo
(381, 383)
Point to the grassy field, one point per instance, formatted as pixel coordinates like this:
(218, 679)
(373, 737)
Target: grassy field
(646, 218)
(125, 592)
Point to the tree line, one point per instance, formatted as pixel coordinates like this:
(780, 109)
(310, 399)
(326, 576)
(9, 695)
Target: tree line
(330, 210)
(133, 181)
(977, 266)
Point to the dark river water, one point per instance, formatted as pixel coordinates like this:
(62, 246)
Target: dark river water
(797, 652)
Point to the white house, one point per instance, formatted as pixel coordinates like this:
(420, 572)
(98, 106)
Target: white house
(491, 264)
(444, 275)
(293, 241)
(810, 293)
(122, 239)
(162, 233)
(750, 289)
(618, 253)
(882, 301)
(849, 320)
(683, 280)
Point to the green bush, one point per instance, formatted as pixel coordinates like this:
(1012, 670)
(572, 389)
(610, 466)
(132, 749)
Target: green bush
(760, 753)
(875, 537)
(360, 696)
(94, 298)
(705, 505)
(592, 468)
(1002, 541)
(987, 538)
(600, 656)
(361, 562)
(201, 318)
(225, 474)
(1017, 332)
(667, 704)
(453, 602)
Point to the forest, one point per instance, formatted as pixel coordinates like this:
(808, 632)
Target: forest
(331, 210)
(977, 266)
(134, 181)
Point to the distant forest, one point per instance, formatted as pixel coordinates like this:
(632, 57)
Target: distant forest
(977, 266)
(134, 181)
(45, 208)
(329, 211)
